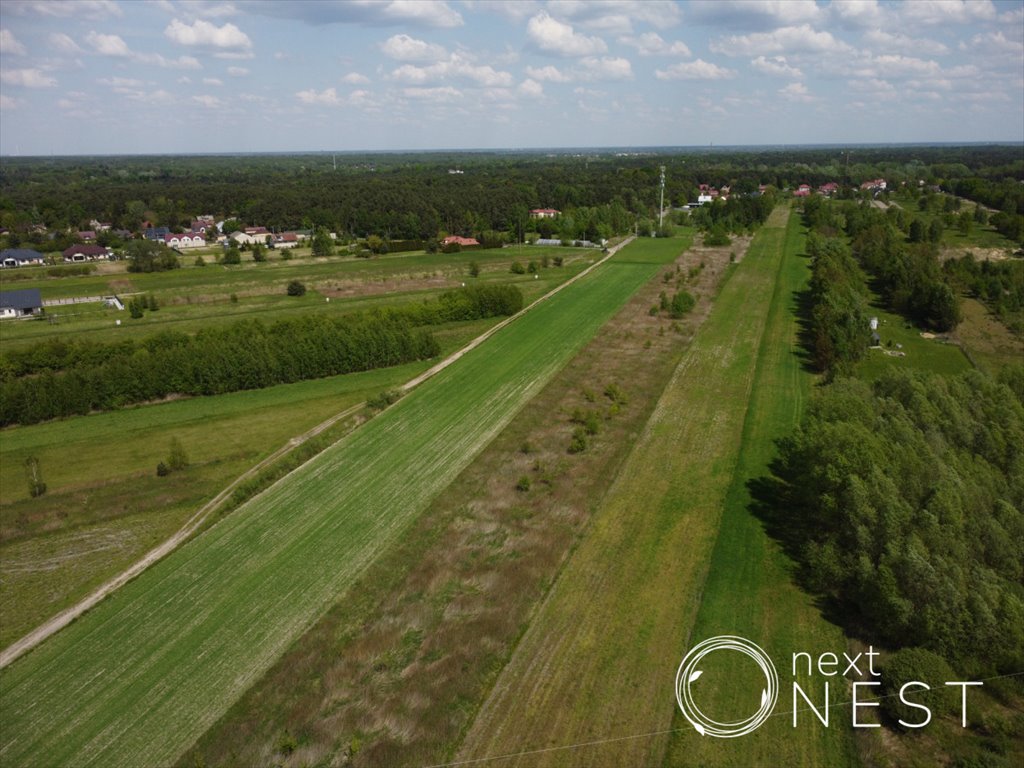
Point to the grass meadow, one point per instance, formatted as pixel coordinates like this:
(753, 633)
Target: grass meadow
(598, 661)
(168, 654)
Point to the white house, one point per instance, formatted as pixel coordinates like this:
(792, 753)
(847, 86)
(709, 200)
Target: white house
(185, 240)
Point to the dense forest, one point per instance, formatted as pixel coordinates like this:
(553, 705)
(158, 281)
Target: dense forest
(56, 379)
(414, 196)
(902, 501)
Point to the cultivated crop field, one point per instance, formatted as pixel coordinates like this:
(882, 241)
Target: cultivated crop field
(163, 658)
(598, 661)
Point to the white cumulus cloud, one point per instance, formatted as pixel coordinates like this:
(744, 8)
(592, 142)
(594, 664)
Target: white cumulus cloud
(783, 40)
(27, 78)
(328, 97)
(776, 66)
(405, 48)
(211, 102)
(531, 89)
(694, 70)
(9, 44)
(900, 43)
(108, 45)
(553, 36)
(548, 74)
(796, 92)
(355, 78)
(64, 44)
(238, 71)
(205, 34)
(652, 44)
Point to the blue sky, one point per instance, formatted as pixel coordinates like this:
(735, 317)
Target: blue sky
(126, 76)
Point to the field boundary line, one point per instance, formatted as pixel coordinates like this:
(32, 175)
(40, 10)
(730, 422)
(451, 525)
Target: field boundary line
(56, 623)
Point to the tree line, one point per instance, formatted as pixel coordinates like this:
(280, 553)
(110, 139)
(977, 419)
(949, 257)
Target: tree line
(56, 379)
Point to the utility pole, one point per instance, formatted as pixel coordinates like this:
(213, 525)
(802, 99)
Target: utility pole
(661, 207)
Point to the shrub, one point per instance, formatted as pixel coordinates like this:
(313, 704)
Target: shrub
(200, 261)
(682, 302)
(532, 267)
(234, 298)
(384, 399)
(523, 485)
(517, 268)
(917, 664)
(578, 444)
(295, 288)
(614, 393)
(474, 269)
(526, 448)
(162, 470)
(232, 256)
(717, 236)
(559, 261)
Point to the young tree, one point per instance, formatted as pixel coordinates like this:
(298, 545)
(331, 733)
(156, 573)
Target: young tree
(177, 459)
(34, 475)
(474, 269)
(323, 245)
(295, 288)
(377, 244)
(258, 254)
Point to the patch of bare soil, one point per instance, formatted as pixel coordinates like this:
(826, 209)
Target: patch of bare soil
(395, 673)
(980, 254)
(352, 288)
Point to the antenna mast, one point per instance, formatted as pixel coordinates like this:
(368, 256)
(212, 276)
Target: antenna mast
(661, 208)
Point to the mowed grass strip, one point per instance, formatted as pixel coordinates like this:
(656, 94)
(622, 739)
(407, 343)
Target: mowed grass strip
(749, 589)
(138, 679)
(599, 658)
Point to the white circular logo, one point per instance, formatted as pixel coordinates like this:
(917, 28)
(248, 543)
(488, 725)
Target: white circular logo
(689, 672)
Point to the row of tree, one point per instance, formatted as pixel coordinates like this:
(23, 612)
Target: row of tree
(839, 311)
(998, 284)
(903, 502)
(57, 379)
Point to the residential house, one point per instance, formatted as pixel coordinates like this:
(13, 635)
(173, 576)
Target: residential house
(20, 257)
(185, 240)
(828, 189)
(21, 303)
(462, 241)
(100, 226)
(250, 238)
(875, 185)
(544, 213)
(804, 190)
(156, 233)
(286, 240)
(87, 253)
(87, 236)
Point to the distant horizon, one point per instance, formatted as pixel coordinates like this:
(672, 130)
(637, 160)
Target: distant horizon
(117, 78)
(651, 149)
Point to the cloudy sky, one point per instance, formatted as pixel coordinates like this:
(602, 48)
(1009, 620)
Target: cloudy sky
(126, 76)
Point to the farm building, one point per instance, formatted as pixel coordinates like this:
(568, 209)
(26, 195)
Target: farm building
(19, 257)
(87, 253)
(21, 303)
(544, 213)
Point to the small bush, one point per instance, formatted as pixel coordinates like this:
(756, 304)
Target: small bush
(592, 423)
(200, 261)
(517, 268)
(559, 261)
(545, 262)
(526, 448)
(682, 302)
(532, 267)
(384, 399)
(162, 470)
(578, 444)
(523, 485)
(234, 298)
(295, 288)
(614, 393)
(474, 269)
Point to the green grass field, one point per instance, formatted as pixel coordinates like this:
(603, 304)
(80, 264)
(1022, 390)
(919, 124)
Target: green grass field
(598, 661)
(749, 590)
(163, 658)
(918, 352)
